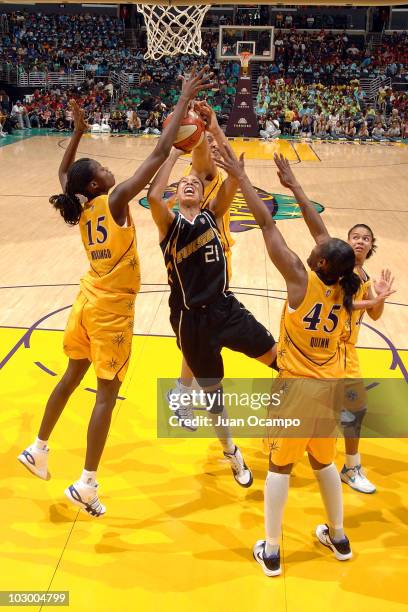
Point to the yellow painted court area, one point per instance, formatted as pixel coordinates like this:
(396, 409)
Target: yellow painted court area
(257, 149)
(178, 533)
(178, 529)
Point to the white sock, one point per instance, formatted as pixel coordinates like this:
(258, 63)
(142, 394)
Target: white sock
(40, 444)
(275, 496)
(331, 492)
(222, 432)
(353, 460)
(88, 478)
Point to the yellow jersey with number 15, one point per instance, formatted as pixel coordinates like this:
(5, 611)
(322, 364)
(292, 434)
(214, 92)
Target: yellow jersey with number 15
(309, 342)
(113, 280)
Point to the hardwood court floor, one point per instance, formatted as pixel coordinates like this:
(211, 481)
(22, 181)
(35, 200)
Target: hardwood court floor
(179, 532)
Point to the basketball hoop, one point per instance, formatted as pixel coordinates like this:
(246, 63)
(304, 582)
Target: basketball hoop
(173, 30)
(245, 57)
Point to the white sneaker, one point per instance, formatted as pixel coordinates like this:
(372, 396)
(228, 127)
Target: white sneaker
(3, 135)
(184, 414)
(86, 497)
(36, 460)
(240, 470)
(271, 565)
(341, 550)
(356, 479)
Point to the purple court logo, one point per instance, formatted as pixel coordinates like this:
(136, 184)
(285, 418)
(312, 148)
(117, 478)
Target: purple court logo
(241, 219)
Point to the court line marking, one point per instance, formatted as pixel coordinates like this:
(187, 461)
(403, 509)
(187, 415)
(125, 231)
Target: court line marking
(145, 335)
(166, 290)
(25, 339)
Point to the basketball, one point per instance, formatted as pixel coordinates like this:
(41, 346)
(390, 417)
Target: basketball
(190, 133)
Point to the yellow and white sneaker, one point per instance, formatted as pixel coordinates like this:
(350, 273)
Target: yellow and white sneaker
(36, 461)
(356, 479)
(85, 497)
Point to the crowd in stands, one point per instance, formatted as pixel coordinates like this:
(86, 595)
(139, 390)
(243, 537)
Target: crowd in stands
(60, 43)
(336, 57)
(334, 111)
(312, 87)
(96, 43)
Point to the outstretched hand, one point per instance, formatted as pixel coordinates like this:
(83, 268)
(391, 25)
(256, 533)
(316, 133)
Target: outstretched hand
(196, 83)
(383, 286)
(80, 125)
(285, 172)
(204, 110)
(229, 162)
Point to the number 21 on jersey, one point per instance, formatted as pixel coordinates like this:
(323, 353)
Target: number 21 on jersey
(211, 253)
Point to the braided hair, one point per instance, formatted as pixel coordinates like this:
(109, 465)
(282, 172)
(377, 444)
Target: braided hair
(80, 174)
(341, 261)
(373, 239)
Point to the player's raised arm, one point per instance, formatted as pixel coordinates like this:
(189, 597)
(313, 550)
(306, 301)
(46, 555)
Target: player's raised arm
(312, 218)
(202, 162)
(80, 126)
(159, 206)
(286, 261)
(126, 191)
(223, 200)
(226, 193)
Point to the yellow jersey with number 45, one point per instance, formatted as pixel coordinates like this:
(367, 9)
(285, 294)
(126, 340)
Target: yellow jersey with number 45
(113, 280)
(309, 342)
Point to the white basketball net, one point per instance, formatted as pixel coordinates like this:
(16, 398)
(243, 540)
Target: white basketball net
(173, 30)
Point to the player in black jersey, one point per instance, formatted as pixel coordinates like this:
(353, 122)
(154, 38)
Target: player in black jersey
(203, 166)
(204, 314)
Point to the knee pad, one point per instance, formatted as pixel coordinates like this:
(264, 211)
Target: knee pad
(351, 422)
(215, 400)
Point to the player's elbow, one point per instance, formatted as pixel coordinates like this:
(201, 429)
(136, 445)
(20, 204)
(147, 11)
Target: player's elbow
(374, 314)
(152, 200)
(267, 224)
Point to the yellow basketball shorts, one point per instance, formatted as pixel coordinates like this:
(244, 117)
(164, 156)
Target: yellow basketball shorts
(102, 337)
(315, 404)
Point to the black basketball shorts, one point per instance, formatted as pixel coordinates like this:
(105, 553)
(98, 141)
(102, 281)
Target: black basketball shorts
(202, 332)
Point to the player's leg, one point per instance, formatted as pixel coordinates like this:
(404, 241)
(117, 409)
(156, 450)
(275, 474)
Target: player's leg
(110, 338)
(267, 552)
(197, 338)
(83, 492)
(241, 332)
(58, 399)
(218, 416)
(321, 454)
(352, 416)
(35, 457)
(76, 347)
(183, 386)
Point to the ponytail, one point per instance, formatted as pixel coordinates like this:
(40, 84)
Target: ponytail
(69, 206)
(350, 283)
(79, 175)
(341, 260)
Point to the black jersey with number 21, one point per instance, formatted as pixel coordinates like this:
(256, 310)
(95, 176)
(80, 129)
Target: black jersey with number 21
(195, 261)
